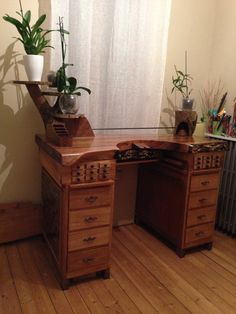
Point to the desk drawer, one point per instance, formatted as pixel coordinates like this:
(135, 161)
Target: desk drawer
(88, 238)
(202, 199)
(88, 261)
(90, 197)
(89, 218)
(199, 216)
(204, 182)
(200, 232)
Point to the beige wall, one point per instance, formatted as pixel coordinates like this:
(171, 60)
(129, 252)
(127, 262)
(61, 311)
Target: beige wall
(223, 63)
(206, 29)
(19, 119)
(192, 28)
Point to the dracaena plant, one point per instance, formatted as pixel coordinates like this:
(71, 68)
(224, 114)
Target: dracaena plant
(182, 80)
(33, 37)
(65, 84)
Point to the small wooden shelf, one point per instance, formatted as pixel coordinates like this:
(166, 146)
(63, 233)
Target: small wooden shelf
(51, 93)
(67, 115)
(31, 82)
(61, 129)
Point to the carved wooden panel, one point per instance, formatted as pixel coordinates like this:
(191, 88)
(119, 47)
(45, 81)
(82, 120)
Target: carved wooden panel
(51, 198)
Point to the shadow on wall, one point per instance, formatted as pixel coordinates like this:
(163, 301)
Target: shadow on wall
(17, 129)
(168, 115)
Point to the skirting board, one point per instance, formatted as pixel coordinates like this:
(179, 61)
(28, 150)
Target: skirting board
(19, 221)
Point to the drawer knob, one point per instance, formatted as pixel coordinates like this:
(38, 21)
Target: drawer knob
(90, 219)
(89, 239)
(199, 234)
(87, 260)
(204, 183)
(91, 199)
(202, 200)
(201, 217)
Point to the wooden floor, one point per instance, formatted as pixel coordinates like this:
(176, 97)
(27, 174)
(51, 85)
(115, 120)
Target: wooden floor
(146, 277)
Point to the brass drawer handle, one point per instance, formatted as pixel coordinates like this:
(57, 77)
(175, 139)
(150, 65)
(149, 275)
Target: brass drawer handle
(199, 234)
(91, 199)
(204, 183)
(201, 217)
(90, 219)
(87, 260)
(89, 239)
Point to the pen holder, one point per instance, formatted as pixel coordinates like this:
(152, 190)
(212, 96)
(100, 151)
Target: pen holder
(216, 129)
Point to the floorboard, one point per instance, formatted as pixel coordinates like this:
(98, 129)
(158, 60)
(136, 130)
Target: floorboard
(146, 277)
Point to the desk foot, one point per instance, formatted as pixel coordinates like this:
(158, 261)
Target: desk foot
(105, 274)
(180, 253)
(65, 283)
(209, 246)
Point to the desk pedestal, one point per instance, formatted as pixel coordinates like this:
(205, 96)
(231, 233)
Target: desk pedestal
(177, 198)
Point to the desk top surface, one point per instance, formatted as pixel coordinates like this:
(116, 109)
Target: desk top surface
(110, 144)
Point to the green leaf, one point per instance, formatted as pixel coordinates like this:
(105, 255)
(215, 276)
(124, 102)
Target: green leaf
(27, 17)
(84, 88)
(39, 22)
(13, 21)
(72, 84)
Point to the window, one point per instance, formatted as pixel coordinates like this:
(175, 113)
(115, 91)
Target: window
(118, 48)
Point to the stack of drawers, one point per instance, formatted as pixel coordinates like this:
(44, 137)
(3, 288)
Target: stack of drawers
(201, 208)
(89, 230)
(93, 171)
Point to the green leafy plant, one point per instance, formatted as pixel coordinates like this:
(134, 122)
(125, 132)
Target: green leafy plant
(65, 84)
(182, 80)
(32, 37)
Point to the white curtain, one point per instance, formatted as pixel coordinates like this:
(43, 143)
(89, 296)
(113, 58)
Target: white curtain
(118, 48)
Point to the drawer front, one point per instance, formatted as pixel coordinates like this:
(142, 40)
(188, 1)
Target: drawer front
(202, 215)
(93, 171)
(204, 182)
(87, 218)
(200, 232)
(84, 262)
(88, 238)
(90, 197)
(203, 199)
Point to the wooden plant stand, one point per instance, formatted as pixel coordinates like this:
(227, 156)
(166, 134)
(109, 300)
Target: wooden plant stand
(60, 128)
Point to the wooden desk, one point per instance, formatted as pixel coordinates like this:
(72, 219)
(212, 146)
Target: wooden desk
(176, 196)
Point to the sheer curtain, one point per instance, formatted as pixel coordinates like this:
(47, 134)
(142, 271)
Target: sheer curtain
(118, 48)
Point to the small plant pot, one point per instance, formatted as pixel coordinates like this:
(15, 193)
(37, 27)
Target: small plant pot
(187, 104)
(34, 67)
(69, 103)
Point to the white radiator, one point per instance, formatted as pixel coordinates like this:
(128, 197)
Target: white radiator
(226, 211)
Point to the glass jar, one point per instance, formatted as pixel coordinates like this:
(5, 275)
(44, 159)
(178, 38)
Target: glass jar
(69, 103)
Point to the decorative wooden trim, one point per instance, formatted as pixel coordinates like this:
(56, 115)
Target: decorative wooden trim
(19, 220)
(209, 147)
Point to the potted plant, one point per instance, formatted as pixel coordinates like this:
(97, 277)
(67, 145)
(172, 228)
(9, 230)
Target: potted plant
(181, 83)
(68, 100)
(33, 38)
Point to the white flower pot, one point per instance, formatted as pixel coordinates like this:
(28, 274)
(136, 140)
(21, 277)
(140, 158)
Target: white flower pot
(34, 66)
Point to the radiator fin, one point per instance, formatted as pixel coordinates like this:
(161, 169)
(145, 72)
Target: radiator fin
(226, 213)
